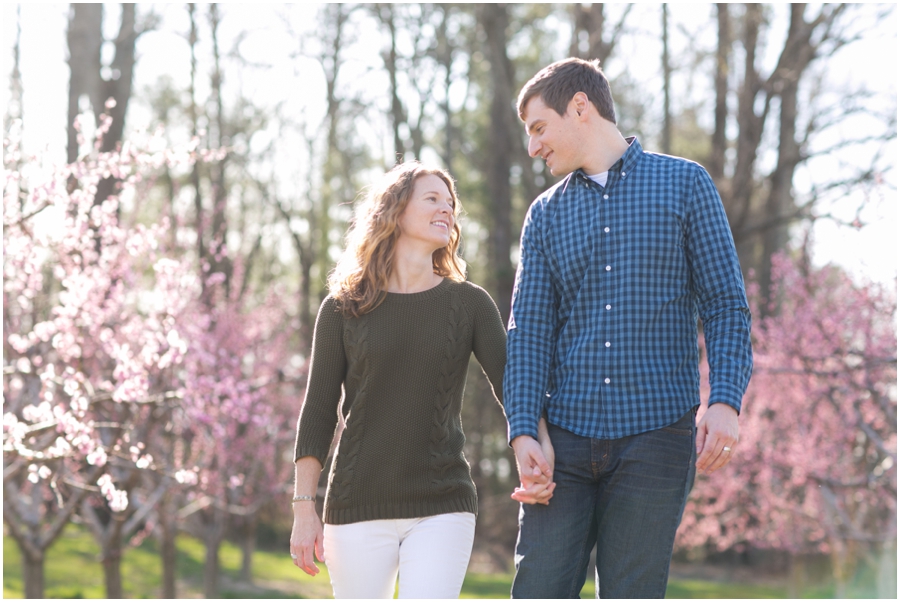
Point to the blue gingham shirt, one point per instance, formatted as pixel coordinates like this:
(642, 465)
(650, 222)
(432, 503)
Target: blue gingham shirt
(610, 283)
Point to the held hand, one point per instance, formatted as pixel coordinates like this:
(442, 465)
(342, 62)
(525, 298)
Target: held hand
(307, 537)
(535, 473)
(717, 436)
(546, 444)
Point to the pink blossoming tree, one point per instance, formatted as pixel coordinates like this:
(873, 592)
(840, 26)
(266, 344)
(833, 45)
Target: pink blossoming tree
(816, 468)
(89, 340)
(127, 381)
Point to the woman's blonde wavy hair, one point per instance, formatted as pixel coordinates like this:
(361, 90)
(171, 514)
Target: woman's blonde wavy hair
(359, 280)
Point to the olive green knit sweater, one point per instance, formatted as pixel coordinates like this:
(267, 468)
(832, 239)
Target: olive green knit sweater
(402, 368)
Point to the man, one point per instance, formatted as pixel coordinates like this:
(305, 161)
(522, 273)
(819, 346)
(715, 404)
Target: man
(618, 260)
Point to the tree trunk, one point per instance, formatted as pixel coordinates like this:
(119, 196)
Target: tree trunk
(781, 198)
(334, 173)
(211, 569)
(167, 550)
(385, 13)
(213, 539)
(112, 568)
(839, 569)
(199, 216)
(33, 574)
(750, 124)
(716, 162)
(84, 37)
(306, 316)
(590, 21)
(33, 533)
(219, 260)
(798, 53)
(445, 58)
(248, 547)
(14, 109)
(118, 91)
(797, 580)
(494, 20)
(118, 88)
(737, 197)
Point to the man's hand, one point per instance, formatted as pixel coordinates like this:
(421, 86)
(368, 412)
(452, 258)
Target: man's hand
(535, 473)
(717, 436)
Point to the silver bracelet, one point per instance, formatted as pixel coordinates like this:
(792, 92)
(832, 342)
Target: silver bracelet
(303, 498)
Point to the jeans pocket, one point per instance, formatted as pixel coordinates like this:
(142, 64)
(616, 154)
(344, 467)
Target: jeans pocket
(683, 426)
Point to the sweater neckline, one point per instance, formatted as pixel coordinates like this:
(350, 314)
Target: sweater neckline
(419, 296)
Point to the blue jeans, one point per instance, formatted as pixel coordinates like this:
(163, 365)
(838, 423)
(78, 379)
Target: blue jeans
(624, 495)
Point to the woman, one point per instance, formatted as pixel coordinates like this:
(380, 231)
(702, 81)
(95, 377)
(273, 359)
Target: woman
(395, 335)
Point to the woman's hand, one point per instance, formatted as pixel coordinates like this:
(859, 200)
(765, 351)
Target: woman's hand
(546, 444)
(307, 537)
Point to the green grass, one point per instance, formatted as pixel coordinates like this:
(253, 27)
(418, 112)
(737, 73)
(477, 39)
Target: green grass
(498, 586)
(690, 588)
(72, 570)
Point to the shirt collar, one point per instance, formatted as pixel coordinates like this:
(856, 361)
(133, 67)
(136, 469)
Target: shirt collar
(626, 162)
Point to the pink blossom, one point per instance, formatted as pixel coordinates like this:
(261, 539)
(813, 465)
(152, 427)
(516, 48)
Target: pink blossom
(97, 457)
(818, 426)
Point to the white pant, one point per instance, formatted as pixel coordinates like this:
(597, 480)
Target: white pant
(431, 553)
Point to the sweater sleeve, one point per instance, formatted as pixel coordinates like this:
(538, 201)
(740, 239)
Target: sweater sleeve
(489, 339)
(327, 369)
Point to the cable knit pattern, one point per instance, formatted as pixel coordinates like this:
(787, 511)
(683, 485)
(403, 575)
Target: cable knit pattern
(441, 451)
(401, 372)
(356, 339)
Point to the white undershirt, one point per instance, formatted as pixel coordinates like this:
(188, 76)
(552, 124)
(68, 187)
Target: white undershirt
(600, 178)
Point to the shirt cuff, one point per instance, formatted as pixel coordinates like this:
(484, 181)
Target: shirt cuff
(522, 426)
(728, 394)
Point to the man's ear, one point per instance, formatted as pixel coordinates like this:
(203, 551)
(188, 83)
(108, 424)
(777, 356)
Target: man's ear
(580, 103)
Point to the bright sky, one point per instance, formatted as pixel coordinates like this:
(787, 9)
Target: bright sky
(870, 252)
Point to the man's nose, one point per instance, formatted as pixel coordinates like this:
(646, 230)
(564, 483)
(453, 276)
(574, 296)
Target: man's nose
(534, 147)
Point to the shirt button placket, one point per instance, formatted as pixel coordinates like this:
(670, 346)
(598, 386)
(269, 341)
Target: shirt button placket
(607, 268)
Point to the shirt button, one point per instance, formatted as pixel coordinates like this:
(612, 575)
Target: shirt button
(606, 380)
(606, 229)
(609, 307)
(606, 196)
(607, 343)
(623, 174)
(608, 268)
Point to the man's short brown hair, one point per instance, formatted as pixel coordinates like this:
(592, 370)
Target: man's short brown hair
(558, 82)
